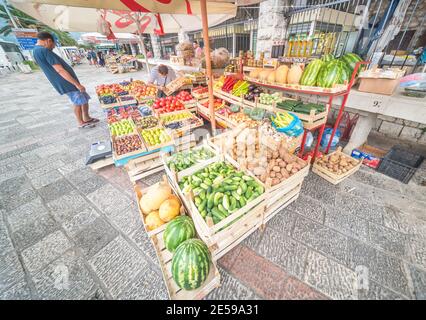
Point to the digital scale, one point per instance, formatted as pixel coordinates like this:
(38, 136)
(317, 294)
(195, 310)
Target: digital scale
(99, 150)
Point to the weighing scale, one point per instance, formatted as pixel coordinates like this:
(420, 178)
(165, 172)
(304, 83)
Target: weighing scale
(99, 150)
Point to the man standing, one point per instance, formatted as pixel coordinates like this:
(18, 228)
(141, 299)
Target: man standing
(198, 51)
(63, 78)
(161, 76)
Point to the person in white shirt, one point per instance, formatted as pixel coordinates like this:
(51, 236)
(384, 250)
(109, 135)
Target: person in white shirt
(161, 76)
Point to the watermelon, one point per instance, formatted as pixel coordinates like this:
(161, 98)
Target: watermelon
(177, 231)
(310, 74)
(351, 59)
(191, 264)
(327, 57)
(330, 74)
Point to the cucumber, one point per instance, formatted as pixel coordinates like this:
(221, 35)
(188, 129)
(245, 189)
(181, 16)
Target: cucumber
(236, 195)
(222, 209)
(240, 191)
(210, 200)
(237, 179)
(207, 181)
(232, 187)
(197, 190)
(204, 186)
(202, 194)
(243, 187)
(218, 214)
(242, 202)
(247, 178)
(248, 193)
(195, 178)
(233, 204)
(218, 196)
(197, 201)
(202, 205)
(225, 202)
(203, 213)
(215, 220)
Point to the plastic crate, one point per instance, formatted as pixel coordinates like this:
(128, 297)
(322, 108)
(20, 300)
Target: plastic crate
(400, 164)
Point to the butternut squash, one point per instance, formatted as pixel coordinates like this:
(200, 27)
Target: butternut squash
(281, 75)
(263, 75)
(271, 77)
(255, 73)
(294, 74)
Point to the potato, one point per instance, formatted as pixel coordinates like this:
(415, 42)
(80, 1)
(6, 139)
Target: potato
(284, 173)
(269, 155)
(272, 174)
(282, 164)
(275, 155)
(258, 171)
(276, 169)
(296, 166)
(288, 158)
(282, 151)
(289, 167)
(275, 181)
(263, 177)
(293, 171)
(278, 175)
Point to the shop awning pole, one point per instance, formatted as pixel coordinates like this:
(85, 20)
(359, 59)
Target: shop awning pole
(138, 25)
(203, 4)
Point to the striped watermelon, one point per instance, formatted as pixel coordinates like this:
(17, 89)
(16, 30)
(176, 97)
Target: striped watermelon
(346, 73)
(351, 59)
(177, 231)
(191, 264)
(327, 57)
(310, 74)
(330, 74)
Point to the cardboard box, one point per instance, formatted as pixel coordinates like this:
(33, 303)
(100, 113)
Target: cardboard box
(380, 81)
(372, 156)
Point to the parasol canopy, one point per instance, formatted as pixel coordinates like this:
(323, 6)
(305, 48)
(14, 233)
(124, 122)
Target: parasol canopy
(157, 16)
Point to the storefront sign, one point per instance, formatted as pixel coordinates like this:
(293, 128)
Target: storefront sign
(27, 38)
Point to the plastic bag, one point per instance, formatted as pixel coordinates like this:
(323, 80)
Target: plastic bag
(327, 135)
(413, 80)
(294, 129)
(309, 140)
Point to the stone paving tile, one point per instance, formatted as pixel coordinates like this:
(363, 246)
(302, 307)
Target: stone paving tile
(419, 282)
(46, 179)
(69, 167)
(360, 207)
(385, 270)
(377, 180)
(389, 240)
(109, 199)
(231, 289)
(308, 207)
(95, 236)
(321, 238)
(117, 265)
(11, 171)
(315, 187)
(377, 292)
(19, 291)
(34, 231)
(290, 254)
(140, 237)
(79, 221)
(15, 185)
(45, 251)
(149, 285)
(283, 221)
(346, 223)
(91, 185)
(266, 279)
(55, 190)
(417, 247)
(11, 270)
(97, 294)
(43, 168)
(67, 206)
(66, 278)
(11, 202)
(127, 220)
(19, 151)
(403, 222)
(80, 176)
(25, 214)
(5, 241)
(329, 277)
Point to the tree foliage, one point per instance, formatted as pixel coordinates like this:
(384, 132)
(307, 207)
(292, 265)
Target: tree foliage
(26, 21)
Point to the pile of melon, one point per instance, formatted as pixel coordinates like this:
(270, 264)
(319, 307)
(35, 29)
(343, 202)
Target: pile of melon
(282, 75)
(159, 205)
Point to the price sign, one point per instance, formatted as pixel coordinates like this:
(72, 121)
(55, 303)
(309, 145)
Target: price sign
(27, 38)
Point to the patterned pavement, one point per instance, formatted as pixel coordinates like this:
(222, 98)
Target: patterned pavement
(56, 214)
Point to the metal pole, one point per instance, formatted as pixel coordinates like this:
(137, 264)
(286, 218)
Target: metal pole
(9, 14)
(203, 4)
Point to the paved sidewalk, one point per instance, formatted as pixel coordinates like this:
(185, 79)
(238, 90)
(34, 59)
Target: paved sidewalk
(69, 233)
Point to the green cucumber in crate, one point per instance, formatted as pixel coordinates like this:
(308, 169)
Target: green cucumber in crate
(186, 159)
(229, 191)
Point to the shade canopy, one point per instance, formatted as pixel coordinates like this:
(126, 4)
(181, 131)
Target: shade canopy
(82, 16)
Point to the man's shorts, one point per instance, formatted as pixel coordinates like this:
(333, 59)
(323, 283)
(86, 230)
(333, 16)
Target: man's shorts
(78, 98)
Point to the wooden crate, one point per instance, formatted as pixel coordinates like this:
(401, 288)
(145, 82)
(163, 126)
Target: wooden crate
(244, 221)
(200, 96)
(228, 97)
(159, 146)
(165, 260)
(151, 163)
(312, 120)
(111, 105)
(331, 176)
(115, 155)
